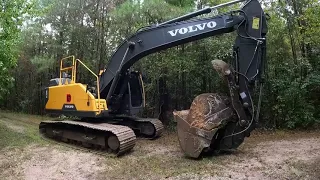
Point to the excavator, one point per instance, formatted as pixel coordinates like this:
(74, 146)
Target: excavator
(107, 110)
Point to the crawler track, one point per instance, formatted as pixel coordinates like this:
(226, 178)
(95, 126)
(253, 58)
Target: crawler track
(155, 123)
(108, 138)
(147, 128)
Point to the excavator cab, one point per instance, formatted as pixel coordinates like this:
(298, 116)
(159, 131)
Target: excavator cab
(132, 95)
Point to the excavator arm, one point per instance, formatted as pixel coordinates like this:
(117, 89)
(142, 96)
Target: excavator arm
(249, 22)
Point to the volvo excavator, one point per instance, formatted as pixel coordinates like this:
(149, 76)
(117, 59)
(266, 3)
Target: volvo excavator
(108, 110)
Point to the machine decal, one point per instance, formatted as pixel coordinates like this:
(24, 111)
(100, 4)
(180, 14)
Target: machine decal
(69, 107)
(255, 23)
(190, 29)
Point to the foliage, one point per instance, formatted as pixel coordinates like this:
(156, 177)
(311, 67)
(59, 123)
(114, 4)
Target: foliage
(92, 30)
(312, 15)
(11, 17)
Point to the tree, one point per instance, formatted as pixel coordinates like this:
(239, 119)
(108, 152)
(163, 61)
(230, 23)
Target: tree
(92, 30)
(11, 17)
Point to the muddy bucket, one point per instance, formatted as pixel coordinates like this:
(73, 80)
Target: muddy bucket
(197, 127)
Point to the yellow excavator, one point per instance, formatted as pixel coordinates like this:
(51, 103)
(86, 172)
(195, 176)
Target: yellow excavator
(107, 111)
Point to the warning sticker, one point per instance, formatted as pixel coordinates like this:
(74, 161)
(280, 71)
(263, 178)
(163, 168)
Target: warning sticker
(255, 23)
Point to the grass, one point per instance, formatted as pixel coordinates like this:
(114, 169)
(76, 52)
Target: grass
(18, 131)
(308, 170)
(27, 118)
(148, 162)
(159, 166)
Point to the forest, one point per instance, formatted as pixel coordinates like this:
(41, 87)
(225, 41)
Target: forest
(36, 34)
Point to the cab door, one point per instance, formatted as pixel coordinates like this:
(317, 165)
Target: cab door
(136, 93)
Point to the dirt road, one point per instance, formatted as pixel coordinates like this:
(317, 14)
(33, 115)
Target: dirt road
(277, 155)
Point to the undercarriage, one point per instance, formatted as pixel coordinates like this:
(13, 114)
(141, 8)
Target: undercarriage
(115, 137)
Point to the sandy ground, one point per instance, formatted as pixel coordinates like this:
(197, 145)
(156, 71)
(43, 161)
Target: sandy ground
(262, 156)
(268, 160)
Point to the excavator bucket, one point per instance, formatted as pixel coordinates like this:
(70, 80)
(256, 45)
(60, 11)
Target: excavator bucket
(208, 113)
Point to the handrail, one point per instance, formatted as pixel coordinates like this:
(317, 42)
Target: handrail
(73, 68)
(143, 91)
(67, 68)
(98, 87)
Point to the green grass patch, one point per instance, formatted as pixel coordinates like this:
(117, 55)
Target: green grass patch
(31, 119)
(11, 137)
